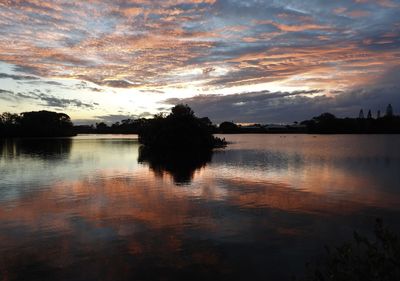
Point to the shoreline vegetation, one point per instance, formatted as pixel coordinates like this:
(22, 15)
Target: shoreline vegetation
(361, 258)
(182, 128)
(36, 124)
(325, 123)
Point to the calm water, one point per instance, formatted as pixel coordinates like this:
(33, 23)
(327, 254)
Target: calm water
(101, 208)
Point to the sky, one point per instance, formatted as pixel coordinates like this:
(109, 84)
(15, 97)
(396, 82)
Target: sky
(231, 60)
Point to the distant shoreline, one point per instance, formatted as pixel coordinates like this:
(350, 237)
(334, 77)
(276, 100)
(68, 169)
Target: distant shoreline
(38, 124)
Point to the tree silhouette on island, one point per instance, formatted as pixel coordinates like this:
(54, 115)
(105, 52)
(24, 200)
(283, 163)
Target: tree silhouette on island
(181, 130)
(178, 144)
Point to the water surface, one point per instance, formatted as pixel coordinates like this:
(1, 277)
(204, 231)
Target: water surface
(102, 208)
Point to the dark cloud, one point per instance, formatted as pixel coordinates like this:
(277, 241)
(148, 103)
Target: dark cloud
(45, 99)
(152, 91)
(5, 91)
(263, 106)
(112, 118)
(164, 108)
(44, 82)
(84, 85)
(117, 83)
(26, 69)
(17, 76)
(53, 101)
(6, 95)
(275, 107)
(374, 95)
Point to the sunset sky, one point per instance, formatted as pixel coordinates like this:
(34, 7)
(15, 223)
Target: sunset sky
(237, 60)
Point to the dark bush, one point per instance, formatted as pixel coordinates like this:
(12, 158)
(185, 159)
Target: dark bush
(361, 259)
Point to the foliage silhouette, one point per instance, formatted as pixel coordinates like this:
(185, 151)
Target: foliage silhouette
(361, 259)
(228, 128)
(181, 129)
(389, 110)
(177, 144)
(328, 123)
(36, 124)
(126, 126)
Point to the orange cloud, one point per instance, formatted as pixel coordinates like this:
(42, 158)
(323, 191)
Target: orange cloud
(293, 28)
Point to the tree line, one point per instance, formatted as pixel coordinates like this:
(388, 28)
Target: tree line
(53, 124)
(327, 123)
(324, 123)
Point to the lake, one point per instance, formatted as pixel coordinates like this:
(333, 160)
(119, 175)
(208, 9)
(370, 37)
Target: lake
(99, 207)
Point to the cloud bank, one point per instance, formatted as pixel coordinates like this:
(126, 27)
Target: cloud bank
(206, 47)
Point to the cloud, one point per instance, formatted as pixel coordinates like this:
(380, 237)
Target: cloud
(293, 28)
(17, 76)
(118, 83)
(39, 82)
(6, 92)
(263, 106)
(112, 118)
(45, 99)
(275, 107)
(6, 95)
(383, 3)
(374, 95)
(206, 46)
(140, 43)
(84, 85)
(154, 91)
(53, 101)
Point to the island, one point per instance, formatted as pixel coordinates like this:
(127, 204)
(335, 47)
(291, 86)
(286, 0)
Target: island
(181, 130)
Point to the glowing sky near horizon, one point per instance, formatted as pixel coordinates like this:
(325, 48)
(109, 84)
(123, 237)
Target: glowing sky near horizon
(240, 60)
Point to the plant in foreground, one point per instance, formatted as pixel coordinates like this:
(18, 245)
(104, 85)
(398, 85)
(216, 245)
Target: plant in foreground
(361, 259)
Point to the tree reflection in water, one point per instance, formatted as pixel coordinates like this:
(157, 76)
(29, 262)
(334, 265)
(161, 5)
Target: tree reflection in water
(44, 148)
(181, 165)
